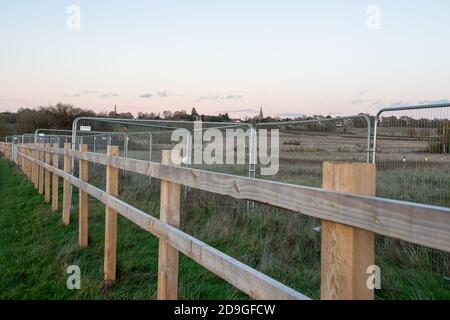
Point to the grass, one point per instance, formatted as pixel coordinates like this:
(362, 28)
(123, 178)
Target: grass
(37, 248)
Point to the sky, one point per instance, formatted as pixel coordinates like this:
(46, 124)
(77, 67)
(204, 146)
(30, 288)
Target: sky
(288, 57)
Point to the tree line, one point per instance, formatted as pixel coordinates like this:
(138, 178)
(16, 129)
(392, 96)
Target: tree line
(61, 116)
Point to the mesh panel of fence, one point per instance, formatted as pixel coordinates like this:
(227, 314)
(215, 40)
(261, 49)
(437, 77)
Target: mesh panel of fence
(412, 154)
(305, 144)
(145, 140)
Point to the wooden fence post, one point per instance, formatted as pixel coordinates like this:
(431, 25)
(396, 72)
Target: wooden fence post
(66, 187)
(19, 158)
(35, 173)
(47, 175)
(83, 201)
(22, 160)
(41, 171)
(112, 187)
(30, 164)
(55, 182)
(168, 256)
(27, 162)
(346, 251)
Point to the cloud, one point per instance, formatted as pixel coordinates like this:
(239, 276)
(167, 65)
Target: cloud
(377, 103)
(84, 93)
(216, 97)
(357, 97)
(395, 104)
(231, 97)
(160, 94)
(398, 104)
(89, 92)
(361, 92)
(163, 94)
(358, 101)
(109, 95)
(434, 101)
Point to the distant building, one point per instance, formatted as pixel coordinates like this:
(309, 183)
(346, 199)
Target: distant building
(261, 116)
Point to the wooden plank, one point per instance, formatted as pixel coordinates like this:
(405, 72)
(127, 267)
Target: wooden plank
(22, 159)
(250, 281)
(167, 255)
(417, 223)
(346, 251)
(28, 165)
(41, 171)
(25, 162)
(31, 165)
(32, 169)
(55, 182)
(66, 188)
(83, 201)
(47, 176)
(19, 158)
(112, 188)
(34, 172)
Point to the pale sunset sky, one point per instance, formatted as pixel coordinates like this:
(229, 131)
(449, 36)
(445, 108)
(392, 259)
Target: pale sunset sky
(290, 57)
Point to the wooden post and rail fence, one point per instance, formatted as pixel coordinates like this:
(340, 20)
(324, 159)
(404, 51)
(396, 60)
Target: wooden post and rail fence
(350, 215)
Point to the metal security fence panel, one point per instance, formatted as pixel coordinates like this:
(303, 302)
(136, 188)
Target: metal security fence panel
(146, 140)
(412, 153)
(60, 137)
(28, 138)
(16, 140)
(305, 144)
(53, 136)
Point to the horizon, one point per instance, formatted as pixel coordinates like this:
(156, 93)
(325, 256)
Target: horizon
(286, 57)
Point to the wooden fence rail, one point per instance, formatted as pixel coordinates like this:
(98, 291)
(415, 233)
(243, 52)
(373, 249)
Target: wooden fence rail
(350, 220)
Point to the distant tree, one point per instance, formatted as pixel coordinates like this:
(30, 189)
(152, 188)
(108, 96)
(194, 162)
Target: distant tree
(194, 115)
(148, 116)
(167, 114)
(180, 116)
(60, 116)
(125, 115)
(219, 118)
